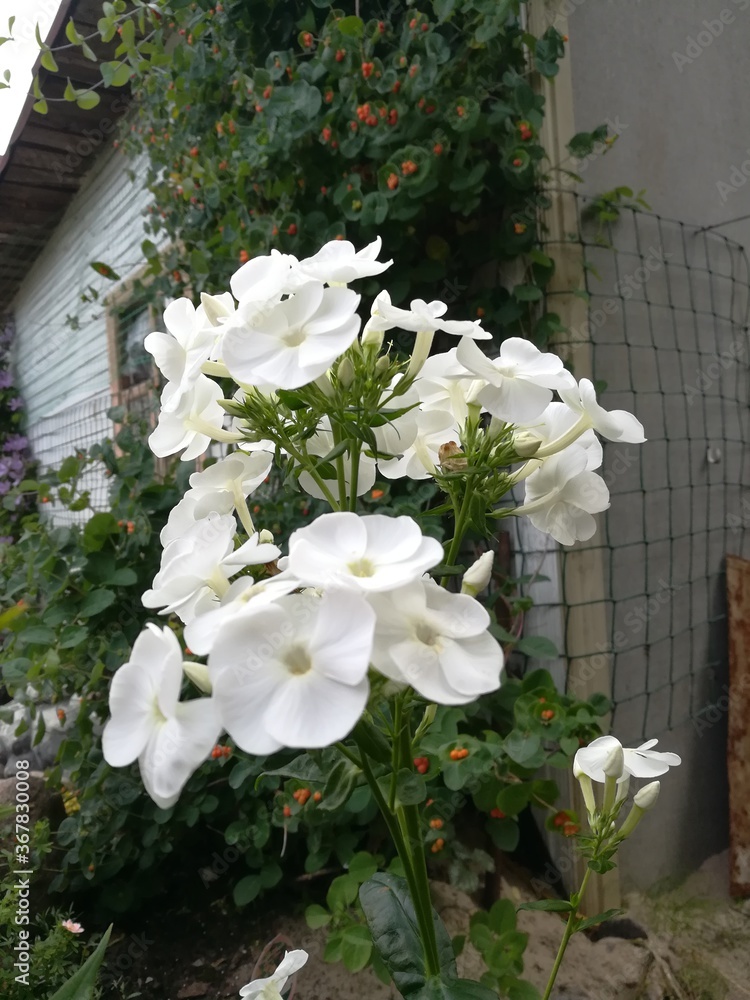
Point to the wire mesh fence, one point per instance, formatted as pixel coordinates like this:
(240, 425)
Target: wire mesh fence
(665, 333)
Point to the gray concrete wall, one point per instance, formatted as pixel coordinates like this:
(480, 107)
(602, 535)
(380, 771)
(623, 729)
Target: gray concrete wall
(670, 77)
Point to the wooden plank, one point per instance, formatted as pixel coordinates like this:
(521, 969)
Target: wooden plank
(738, 741)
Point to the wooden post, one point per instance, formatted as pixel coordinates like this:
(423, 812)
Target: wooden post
(584, 593)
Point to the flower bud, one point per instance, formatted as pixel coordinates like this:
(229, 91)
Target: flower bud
(451, 458)
(623, 786)
(614, 765)
(645, 798)
(198, 674)
(526, 444)
(345, 372)
(265, 537)
(382, 364)
(478, 575)
(587, 790)
(372, 339)
(214, 308)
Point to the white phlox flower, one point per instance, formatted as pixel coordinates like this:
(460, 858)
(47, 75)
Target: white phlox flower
(554, 424)
(614, 425)
(519, 381)
(197, 420)
(272, 987)
(444, 384)
(243, 597)
(420, 459)
(641, 762)
(196, 568)
(437, 642)
(562, 495)
(228, 481)
(294, 342)
(338, 263)
(294, 675)
(367, 553)
(169, 738)
(180, 352)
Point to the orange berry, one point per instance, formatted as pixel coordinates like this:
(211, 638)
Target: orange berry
(421, 764)
(244, 256)
(460, 110)
(325, 134)
(548, 714)
(413, 23)
(377, 494)
(519, 228)
(497, 814)
(194, 151)
(307, 40)
(437, 823)
(61, 716)
(317, 796)
(480, 312)
(340, 55)
(409, 167)
(371, 120)
(425, 27)
(267, 92)
(437, 149)
(438, 846)
(292, 229)
(571, 829)
(393, 117)
(396, 87)
(392, 182)
(287, 811)
(367, 69)
(560, 818)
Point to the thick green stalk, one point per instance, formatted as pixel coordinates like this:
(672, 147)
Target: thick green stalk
(413, 865)
(569, 928)
(461, 517)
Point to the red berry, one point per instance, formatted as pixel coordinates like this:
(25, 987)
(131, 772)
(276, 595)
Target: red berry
(194, 151)
(340, 55)
(437, 149)
(497, 814)
(292, 230)
(367, 68)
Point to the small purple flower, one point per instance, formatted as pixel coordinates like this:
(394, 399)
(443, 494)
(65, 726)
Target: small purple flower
(6, 380)
(6, 539)
(4, 467)
(15, 404)
(15, 442)
(4, 488)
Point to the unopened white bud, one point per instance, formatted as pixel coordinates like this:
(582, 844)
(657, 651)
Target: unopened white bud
(198, 674)
(645, 798)
(614, 765)
(345, 372)
(372, 338)
(478, 575)
(526, 444)
(214, 308)
(265, 537)
(623, 785)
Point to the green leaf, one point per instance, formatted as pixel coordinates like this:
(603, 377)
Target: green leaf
(81, 984)
(96, 601)
(97, 530)
(149, 250)
(38, 635)
(342, 892)
(48, 61)
(521, 990)
(362, 866)
(72, 636)
(339, 786)
(352, 26)
(514, 798)
(72, 34)
(548, 905)
(527, 293)
(105, 270)
(538, 646)
(246, 890)
(411, 788)
(316, 916)
(598, 919)
(88, 100)
(41, 107)
(453, 989)
(390, 916)
(356, 947)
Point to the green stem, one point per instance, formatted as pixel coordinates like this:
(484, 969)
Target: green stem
(569, 928)
(419, 862)
(304, 461)
(410, 848)
(461, 516)
(354, 450)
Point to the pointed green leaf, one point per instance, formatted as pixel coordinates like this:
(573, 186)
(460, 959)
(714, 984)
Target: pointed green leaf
(70, 93)
(88, 101)
(549, 905)
(41, 107)
(73, 36)
(81, 985)
(598, 919)
(88, 52)
(36, 89)
(48, 61)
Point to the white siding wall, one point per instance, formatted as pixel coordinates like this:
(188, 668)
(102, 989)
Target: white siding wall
(64, 373)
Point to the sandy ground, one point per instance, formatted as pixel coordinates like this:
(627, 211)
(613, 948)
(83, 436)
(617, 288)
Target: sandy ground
(697, 947)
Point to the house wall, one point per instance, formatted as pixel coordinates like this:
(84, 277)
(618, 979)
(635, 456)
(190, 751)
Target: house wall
(669, 78)
(63, 372)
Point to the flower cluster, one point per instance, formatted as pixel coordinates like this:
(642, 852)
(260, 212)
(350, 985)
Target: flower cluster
(296, 644)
